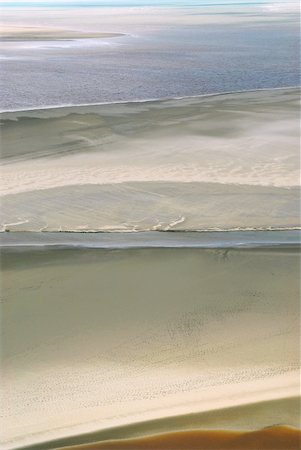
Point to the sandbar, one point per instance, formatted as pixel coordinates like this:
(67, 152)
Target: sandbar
(19, 34)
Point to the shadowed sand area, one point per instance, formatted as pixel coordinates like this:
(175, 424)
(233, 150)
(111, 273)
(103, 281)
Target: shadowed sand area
(273, 438)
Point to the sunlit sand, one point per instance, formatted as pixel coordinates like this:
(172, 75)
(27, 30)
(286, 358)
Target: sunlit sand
(150, 225)
(90, 360)
(179, 161)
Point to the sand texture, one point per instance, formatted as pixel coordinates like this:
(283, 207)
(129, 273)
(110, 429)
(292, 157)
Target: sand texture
(23, 34)
(95, 339)
(179, 162)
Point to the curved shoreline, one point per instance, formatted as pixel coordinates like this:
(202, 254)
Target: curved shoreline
(194, 422)
(148, 100)
(270, 438)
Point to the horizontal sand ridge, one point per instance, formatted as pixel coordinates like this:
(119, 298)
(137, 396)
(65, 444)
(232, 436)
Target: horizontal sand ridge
(272, 438)
(12, 33)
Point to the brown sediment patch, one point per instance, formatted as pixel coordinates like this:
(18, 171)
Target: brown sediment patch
(271, 438)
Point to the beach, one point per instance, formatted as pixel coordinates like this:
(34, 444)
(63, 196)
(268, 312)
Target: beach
(150, 274)
(150, 225)
(178, 161)
(91, 361)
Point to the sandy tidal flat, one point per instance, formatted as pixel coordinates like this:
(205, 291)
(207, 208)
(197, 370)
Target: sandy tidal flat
(125, 336)
(220, 162)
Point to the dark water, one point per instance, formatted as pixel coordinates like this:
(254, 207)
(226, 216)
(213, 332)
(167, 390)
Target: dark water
(161, 62)
(247, 239)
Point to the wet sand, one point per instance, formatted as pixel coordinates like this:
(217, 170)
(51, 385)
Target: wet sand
(273, 438)
(95, 339)
(222, 425)
(190, 341)
(179, 162)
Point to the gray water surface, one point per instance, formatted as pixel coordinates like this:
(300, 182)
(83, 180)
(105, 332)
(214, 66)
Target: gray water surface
(153, 239)
(196, 50)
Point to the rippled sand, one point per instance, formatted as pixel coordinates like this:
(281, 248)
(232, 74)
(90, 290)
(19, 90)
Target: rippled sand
(95, 339)
(219, 162)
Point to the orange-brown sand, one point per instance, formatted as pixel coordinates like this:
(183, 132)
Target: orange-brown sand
(272, 438)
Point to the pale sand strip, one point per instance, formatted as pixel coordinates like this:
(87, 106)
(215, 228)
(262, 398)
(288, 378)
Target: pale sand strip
(14, 33)
(139, 19)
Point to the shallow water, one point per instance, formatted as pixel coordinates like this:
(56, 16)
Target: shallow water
(168, 52)
(219, 240)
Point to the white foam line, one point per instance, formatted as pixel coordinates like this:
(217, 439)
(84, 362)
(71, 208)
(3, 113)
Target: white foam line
(148, 100)
(5, 225)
